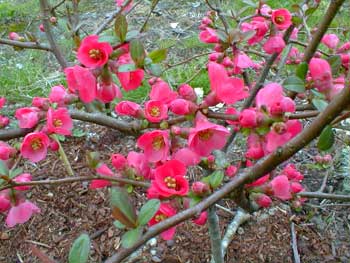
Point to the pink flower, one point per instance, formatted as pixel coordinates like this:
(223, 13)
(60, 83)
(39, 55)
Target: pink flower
(330, 40)
(206, 136)
(259, 25)
(249, 118)
(41, 103)
(2, 102)
(242, 61)
(321, 73)
(128, 108)
(5, 202)
(155, 145)
(200, 188)
(4, 121)
(162, 92)
(23, 178)
(263, 200)
(202, 219)
(274, 44)
(187, 92)
(165, 211)
(275, 139)
(234, 112)
(6, 151)
(41, 28)
(156, 111)
(34, 146)
(255, 147)
(59, 121)
(345, 47)
(99, 183)
(292, 173)
(281, 187)
(21, 213)
(14, 36)
(228, 90)
(271, 97)
(262, 180)
(169, 180)
(231, 171)
(139, 163)
(281, 18)
(107, 92)
(118, 161)
(92, 53)
(265, 10)
(338, 86)
(58, 95)
(187, 157)
(208, 35)
(27, 117)
(132, 79)
(183, 107)
(82, 80)
(121, 3)
(296, 187)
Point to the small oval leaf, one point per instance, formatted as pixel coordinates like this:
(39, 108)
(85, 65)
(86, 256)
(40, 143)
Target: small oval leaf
(319, 104)
(216, 178)
(301, 70)
(148, 210)
(130, 237)
(293, 83)
(326, 139)
(79, 253)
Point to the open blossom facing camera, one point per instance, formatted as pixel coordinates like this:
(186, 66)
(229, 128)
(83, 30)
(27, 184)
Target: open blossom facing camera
(34, 146)
(165, 211)
(155, 145)
(281, 18)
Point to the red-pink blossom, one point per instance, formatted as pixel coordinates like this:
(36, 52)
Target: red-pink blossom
(5, 202)
(321, 73)
(182, 107)
(107, 92)
(345, 60)
(21, 213)
(165, 211)
(187, 156)
(41, 103)
(34, 146)
(156, 111)
(292, 173)
(59, 121)
(118, 161)
(14, 36)
(187, 92)
(161, 91)
(132, 79)
(92, 53)
(27, 117)
(58, 95)
(275, 44)
(263, 200)
(128, 108)
(265, 10)
(296, 187)
(54, 146)
(254, 147)
(139, 163)
(206, 136)
(200, 188)
(232, 111)
(201, 219)
(81, 80)
(208, 35)
(249, 118)
(281, 18)
(121, 3)
(6, 151)
(231, 171)
(262, 180)
(41, 28)
(100, 183)
(343, 48)
(228, 90)
(330, 40)
(155, 145)
(276, 139)
(241, 61)
(4, 121)
(281, 187)
(259, 25)
(2, 102)
(23, 178)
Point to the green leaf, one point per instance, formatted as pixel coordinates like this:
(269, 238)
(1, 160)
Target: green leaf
(158, 55)
(293, 83)
(155, 69)
(216, 178)
(250, 3)
(296, 20)
(79, 253)
(121, 27)
(148, 210)
(310, 11)
(3, 168)
(326, 139)
(130, 237)
(122, 208)
(15, 172)
(108, 38)
(137, 52)
(319, 104)
(78, 133)
(119, 225)
(127, 68)
(302, 70)
(93, 159)
(335, 63)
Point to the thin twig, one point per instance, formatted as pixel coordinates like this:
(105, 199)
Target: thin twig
(324, 196)
(27, 45)
(294, 243)
(144, 25)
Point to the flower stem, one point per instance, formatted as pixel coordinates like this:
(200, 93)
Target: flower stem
(63, 156)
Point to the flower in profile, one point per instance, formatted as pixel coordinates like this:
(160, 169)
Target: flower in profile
(2, 102)
(169, 180)
(259, 25)
(21, 213)
(330, 40)
(92, 53)
(206, 136)
(81, 80)
(187, 156)
(34, 146)
(161, 91)
(281, 187)
(5, 202)
(155, 145)
(107, 92)
(27, 117)
(209, 36)
(321, 74)
(23, 178)
(139, 163)
(281, 18)
(118, 161)
(58, 95)
(100, 183)
(128, 108)
(129, 80)
(275, 44)
(202, 219)
(165, 211)
(255, 148)
(6, 151)
(59, 121)
(262, 200)
(156, 111)
(182, 107)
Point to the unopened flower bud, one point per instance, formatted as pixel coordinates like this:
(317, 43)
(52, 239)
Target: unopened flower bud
(279, 127)
(231, 171)
(200, 188)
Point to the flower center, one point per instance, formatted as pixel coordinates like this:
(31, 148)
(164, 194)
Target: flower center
(170, 182)
(279, 19)
(36, 144)
(57, 123)
(155, 111)
(95, 53)
(205, 135)
(160, 217)
(158, 143)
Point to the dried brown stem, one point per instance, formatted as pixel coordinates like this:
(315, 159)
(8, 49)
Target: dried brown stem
(324, 196)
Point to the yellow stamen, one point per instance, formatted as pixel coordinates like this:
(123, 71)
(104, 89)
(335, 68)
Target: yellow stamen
(36, 144)
(205, 135)
(160, 217)
(170, 182)
(95, 53)
(158, 143)
(155, 111)
(57, 123)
